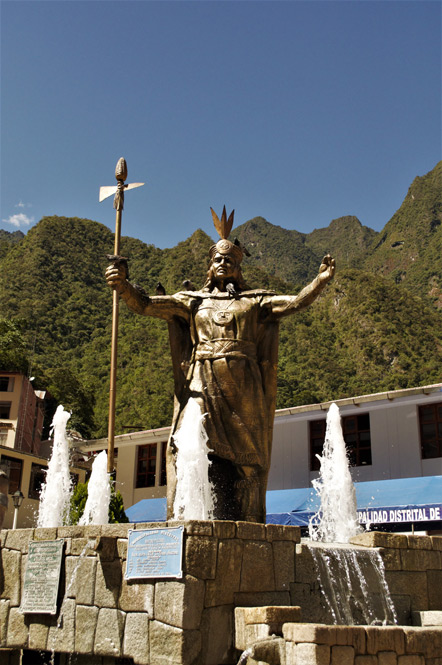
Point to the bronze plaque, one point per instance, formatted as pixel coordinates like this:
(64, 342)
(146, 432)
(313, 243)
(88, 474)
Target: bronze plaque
(42, 577)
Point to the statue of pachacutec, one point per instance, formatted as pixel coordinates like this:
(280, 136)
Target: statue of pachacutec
(224, 344)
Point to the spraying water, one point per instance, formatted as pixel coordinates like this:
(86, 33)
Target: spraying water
(56, 491)
(338, 519)
(96, 510)
(194, 496)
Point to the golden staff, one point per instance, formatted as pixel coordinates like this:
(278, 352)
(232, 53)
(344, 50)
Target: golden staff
(105, 192)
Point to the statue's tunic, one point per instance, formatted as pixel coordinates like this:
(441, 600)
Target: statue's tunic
(229, 365)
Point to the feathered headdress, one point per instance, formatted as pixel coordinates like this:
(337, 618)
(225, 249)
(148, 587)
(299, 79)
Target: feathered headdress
(224, 246)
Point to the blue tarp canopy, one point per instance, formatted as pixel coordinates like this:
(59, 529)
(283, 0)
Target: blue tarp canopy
(402, 500)
(407, 500)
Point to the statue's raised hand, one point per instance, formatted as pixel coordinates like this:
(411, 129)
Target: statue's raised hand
(327, 269)
(117, 273)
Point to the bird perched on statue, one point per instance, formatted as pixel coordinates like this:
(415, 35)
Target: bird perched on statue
(160, 290)
(188, 285)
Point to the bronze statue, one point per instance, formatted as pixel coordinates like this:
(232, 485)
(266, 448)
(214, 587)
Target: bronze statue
(224, 344)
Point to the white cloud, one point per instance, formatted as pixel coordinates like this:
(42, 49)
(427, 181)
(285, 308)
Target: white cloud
(18, 220)
(20, 204)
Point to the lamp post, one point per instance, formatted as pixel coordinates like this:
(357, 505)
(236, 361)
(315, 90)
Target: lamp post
(17, 499)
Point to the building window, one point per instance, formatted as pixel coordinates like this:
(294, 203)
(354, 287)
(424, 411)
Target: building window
(163, 478)
(6, 384)
(13, 469)
(430, 420)
(356, 431)
(38, 477)
(146, 465)
(5, 410)
(3, 436)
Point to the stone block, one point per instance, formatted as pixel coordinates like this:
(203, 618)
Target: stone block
(122, 548)
(419, 542)
(109, 632)
(309, 632)
(10, 575)
(196, 527)
(74, 531)
(434, 581)
(312, 654)
(45, 533)
(200, 556)
(217, 631)
(91, 531)
(282, 532)
(436, 543)
(61, 636)
(18, 539)
(413, 584)
(306, 571)
(118, 530)
(254, 633)
(402, 606)
(107, 583)
(179, 603)
(170, 645)
(224, 529)
(270, 614)
(250, 531)
(136, 637)
(83, 547)
(4, 613)
(380, 539)
(424, 641)
(283, 564)
(136, 596)
(342, 655)
(80, 579)
(385, 638)
(410, 660)
(85, 625)
(420, 559)
(309, 599)
(3, 534)
(228, 573)
(39, 631)
(366, 660)
(17, 632)
(428, 618)
(391, 558)
(106, 547)
(261, 598)
(257, 566)
(387, 658)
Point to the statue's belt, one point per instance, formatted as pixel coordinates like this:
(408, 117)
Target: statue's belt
(220, 348)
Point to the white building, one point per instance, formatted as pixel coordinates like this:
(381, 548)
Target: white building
(396, 434)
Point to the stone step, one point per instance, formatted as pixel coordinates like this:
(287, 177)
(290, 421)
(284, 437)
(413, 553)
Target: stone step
(427, 618)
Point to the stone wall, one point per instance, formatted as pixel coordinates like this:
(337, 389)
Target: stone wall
(157, 622)
(270, 638)
(413, 573)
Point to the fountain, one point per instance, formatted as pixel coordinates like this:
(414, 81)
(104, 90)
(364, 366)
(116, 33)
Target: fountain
(96, 510)
(56, 491)
(337, 519)
(194, 494)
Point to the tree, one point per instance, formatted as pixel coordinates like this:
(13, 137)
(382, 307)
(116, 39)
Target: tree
(78, 503)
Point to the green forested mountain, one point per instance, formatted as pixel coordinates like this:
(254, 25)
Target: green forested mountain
(409, 249)
(369, 331)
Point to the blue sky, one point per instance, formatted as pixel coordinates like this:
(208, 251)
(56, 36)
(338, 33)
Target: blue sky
(298, 111)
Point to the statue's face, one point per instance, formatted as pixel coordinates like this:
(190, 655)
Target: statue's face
(224, 266)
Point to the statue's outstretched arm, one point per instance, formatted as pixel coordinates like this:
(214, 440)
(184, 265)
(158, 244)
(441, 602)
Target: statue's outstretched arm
(163, 307)
(286, 305)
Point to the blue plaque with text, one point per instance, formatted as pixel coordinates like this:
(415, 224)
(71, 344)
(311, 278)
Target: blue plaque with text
(154, 553)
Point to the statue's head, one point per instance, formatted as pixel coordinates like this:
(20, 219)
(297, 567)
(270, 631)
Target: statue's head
(225, 256)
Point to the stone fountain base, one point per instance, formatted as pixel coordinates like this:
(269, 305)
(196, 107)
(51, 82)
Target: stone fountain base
(104, 619)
